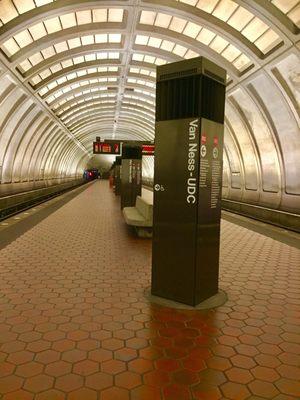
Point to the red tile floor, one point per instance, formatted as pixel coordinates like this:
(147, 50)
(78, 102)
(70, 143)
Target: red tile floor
(75, 323)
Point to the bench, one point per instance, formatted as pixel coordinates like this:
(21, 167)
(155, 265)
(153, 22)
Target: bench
(140, 216)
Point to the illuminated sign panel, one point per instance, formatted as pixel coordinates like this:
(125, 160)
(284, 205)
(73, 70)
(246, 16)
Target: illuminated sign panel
(148, 149)
(112, 147)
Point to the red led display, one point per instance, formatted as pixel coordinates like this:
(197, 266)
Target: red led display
(107, 148)
(148, 149)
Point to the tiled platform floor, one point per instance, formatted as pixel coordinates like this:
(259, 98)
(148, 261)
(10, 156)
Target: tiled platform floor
(75, 323)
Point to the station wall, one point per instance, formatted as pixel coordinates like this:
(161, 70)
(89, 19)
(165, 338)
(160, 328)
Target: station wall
(261, 160)
(32, 145)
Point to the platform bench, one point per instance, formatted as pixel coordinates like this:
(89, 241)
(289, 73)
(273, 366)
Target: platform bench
(140, 217)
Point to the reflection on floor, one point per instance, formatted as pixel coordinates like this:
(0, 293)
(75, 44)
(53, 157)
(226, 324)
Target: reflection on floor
(75, 323)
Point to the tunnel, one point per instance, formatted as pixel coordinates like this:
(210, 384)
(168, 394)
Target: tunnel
(71, 71)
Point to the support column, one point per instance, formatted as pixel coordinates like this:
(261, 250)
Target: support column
(131, 175)
(117, 176)
(188, 180)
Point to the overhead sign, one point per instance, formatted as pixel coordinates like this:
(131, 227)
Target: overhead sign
(148, 149)
(112, 147)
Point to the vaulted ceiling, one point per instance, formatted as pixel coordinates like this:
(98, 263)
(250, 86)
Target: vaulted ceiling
(89, 68)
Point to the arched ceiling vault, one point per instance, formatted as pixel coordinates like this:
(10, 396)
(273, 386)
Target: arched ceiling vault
(90, 67)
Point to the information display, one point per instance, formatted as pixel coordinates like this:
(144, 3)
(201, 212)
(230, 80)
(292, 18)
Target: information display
(148, 149)
(112, 147)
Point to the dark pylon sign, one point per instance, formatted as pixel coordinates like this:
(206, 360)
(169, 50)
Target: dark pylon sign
(188, 180)
(117, 176)
(131, 175)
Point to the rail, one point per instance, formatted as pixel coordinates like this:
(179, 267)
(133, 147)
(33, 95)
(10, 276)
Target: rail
(14, 203)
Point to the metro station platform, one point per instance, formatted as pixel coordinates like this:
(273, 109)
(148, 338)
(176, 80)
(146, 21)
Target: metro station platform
(76, 324)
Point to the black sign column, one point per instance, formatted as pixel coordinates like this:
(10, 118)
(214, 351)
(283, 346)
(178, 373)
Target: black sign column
(131, 174)
(187, 180)
(117, 176)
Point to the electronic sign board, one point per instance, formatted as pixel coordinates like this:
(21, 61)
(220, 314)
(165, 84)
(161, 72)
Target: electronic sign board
(114, 147)
(148, 149)
(111, 147)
